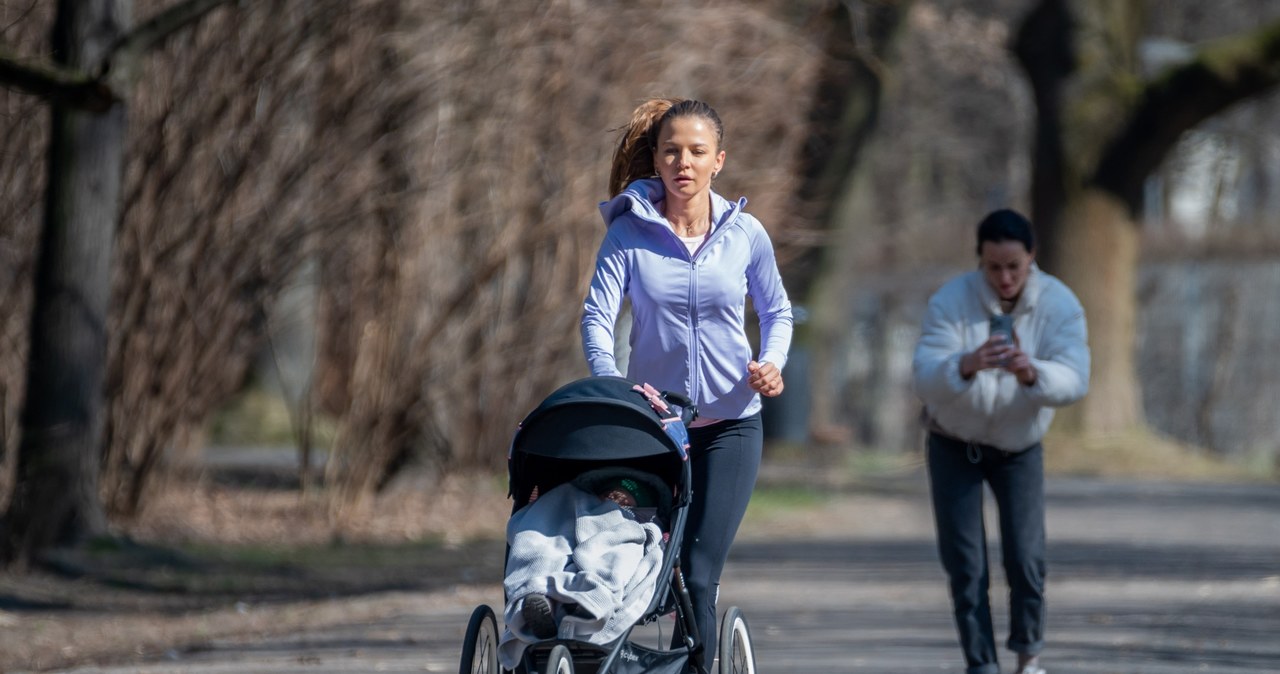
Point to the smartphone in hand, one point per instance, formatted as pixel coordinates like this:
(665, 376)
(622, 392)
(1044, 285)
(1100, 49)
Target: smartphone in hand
(1002, 324)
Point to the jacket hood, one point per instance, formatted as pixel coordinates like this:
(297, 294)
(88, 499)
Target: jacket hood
(643, 196)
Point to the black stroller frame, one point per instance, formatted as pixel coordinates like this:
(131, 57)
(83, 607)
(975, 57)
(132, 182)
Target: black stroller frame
(588, 424)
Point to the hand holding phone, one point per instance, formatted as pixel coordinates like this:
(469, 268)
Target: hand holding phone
(1002, 324)
(993, 352)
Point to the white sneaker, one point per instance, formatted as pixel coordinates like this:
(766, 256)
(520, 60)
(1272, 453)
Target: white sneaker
(1032, 669)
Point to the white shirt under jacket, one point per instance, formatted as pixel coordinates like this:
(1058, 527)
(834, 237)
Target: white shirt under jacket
(993, 408)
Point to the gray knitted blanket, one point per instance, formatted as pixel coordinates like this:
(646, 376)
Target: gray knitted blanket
(578, 549)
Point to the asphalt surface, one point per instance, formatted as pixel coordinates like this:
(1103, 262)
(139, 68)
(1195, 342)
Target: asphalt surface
(1143, 579)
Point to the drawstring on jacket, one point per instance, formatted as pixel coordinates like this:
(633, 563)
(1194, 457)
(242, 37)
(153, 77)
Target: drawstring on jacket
(974, 451)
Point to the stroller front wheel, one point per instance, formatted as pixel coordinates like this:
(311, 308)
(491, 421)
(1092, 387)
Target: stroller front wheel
(559, 661)
(737, 655)
(480, 646)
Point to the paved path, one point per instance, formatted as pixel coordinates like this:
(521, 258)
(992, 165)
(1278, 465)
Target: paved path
(1144, 579)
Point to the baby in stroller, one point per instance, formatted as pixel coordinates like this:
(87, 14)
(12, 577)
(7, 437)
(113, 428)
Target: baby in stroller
(584, 559)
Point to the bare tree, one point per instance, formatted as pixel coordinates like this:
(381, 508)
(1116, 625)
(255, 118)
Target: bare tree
(1101, 129)
(858, 39)
(501, 227)
(230, 192)
(453, 225)
(55, 499)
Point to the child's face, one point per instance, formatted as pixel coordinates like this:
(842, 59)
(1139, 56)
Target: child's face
(620, 496)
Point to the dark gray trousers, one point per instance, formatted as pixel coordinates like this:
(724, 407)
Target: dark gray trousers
(957, 471)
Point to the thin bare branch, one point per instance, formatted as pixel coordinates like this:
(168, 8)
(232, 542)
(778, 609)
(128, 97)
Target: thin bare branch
(54, 83)
(96, 92)
(123, 62)
(1220, 75)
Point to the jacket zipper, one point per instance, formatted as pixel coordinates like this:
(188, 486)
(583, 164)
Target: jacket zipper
(694, 345)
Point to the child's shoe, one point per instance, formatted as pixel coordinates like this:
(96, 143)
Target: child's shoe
(538, 616)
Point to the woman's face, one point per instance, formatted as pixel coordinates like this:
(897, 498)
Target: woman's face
(687, 156)
(1005, 265)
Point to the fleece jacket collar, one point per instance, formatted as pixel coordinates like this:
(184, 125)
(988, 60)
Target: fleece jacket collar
(641, 199)
(1026, 301)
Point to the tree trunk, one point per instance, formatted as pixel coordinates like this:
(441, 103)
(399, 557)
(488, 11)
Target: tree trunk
(1096, 255)
(842, 119)
(858, 44)
(1077, 54)
(56, 500)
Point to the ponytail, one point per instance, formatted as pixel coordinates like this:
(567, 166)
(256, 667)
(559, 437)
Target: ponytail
(633, 158)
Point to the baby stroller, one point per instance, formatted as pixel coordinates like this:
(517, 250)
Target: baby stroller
(582, 426)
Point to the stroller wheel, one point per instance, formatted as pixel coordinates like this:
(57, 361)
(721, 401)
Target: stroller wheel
(480, 647)
(737, 656)
(559, 661)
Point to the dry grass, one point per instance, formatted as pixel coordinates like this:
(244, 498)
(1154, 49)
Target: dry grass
(62, 640)
(208, 560)
(1141, 454)
(459, 508)
(219, 559)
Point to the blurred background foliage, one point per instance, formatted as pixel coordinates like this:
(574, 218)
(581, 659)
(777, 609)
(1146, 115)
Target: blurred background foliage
(363, 228)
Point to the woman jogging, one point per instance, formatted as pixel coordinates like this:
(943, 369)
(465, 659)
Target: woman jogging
(687, 259)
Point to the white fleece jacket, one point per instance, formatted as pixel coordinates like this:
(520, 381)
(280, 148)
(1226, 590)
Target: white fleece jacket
(993, 408)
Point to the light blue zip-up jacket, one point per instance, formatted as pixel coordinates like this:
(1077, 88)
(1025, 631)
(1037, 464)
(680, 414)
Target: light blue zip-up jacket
(688, 332)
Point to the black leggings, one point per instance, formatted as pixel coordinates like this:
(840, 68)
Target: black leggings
(725, 458)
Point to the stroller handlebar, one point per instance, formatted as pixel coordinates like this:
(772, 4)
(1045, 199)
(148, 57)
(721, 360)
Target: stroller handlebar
(688, 411)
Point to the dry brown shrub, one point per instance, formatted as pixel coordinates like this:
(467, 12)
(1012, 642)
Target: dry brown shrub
(440, 163)
(437, 165)
(457, 508)
(509, 150)
(225, 199)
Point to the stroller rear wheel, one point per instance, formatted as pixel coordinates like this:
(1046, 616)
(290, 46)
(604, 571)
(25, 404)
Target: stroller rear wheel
(559, 661)
(737, 655)
(480, 646)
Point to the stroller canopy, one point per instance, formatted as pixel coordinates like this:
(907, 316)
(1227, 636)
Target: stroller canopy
(599, 419)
